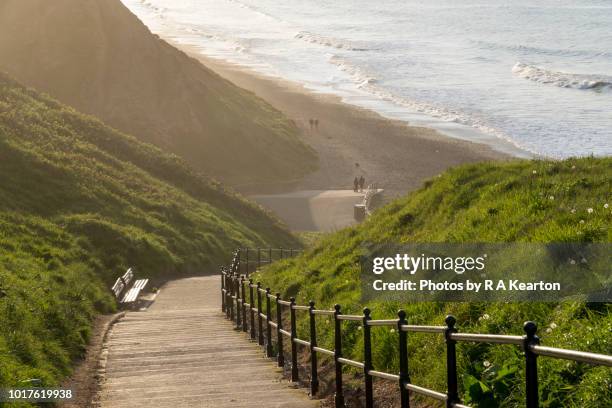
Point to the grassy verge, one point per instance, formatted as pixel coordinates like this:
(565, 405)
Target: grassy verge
(79, 203)
(519, 201)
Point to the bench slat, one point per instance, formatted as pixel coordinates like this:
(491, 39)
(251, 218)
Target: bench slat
(134, 292)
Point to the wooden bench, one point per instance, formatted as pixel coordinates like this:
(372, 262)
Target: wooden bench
(124, 296)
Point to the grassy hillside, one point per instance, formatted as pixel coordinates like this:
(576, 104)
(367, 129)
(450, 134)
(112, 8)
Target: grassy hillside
(79, 203)
(99, 58)
(528, 201)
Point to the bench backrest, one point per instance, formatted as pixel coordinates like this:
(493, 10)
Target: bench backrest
(122, 283)
(118, 287)
(127, 277)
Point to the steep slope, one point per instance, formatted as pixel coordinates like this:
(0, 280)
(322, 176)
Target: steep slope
(521, 201)
(96, 56)
(79, 203)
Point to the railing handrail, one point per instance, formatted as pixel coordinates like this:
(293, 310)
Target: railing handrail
(233, 293)
(261, 256)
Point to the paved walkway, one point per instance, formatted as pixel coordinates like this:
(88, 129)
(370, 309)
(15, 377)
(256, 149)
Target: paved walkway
(313, 210)
(182, 352)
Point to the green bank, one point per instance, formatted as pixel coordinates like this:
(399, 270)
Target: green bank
(81, 202)
(518, 201)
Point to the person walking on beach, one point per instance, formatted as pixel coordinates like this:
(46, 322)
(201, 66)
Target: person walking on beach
(361, 183)
(356, 185)
(316, 124)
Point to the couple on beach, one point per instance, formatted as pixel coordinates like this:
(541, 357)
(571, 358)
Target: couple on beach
(314, 123)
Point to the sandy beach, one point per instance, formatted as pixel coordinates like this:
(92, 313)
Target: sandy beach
(350, 140)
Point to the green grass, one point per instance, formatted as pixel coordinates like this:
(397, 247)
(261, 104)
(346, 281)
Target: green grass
(519, 201)
(80, 203)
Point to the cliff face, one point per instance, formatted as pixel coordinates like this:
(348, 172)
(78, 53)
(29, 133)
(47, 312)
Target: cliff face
(98, 57)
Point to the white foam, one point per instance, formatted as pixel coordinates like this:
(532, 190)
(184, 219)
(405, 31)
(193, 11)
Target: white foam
(562, 79)
(328, 42)
(368, 83)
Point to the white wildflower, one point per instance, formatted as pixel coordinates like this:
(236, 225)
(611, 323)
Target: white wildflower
(392, 330)
(549, 330)
(582, 221)
(573, 211)
(358, 327)
(573, 262)
(535, 172)
(553, 325)
(551, 198)
(486, 363)
(606, 206)
(590, 210)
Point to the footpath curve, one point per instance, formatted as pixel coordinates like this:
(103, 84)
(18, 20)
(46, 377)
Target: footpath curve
(181, 352)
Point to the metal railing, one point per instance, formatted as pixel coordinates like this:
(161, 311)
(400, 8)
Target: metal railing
(248, 260)
(255, 316)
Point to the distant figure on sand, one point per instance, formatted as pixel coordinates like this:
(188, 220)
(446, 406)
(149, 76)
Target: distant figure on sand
(361, 183)
(356, 185)
(311, 122)
(316, 124)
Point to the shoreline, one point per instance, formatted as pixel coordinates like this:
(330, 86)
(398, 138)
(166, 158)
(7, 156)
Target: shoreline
(351, 140)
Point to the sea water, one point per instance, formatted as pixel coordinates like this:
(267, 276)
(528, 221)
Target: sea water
(523, 76)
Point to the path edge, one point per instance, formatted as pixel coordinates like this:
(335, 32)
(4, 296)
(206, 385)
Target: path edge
(94, 374)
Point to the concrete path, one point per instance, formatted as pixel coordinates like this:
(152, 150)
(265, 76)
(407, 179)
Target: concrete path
(313, 210)
(182, 352)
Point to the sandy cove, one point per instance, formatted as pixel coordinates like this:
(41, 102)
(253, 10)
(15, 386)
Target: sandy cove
(396, 156)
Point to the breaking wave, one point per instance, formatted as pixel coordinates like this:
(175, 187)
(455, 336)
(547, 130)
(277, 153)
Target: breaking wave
(368, 83)
(562, 79)
(329, 42)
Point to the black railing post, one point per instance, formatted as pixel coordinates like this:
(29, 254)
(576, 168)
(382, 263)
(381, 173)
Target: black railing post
(222, 290)
(451, 362)
(314, 375)
(279, 336)
(531, 364)
(269, 349)
(258, 258)
(237, 259)
(231, 298)
(252, 314)
(238, 303)
(259, 319)
(269, 255)
(367, 359)
(404, 377)
(339, 397)
(244, 311)
(247, 261)
(281, 253)
(294, 363)
(228, 295)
